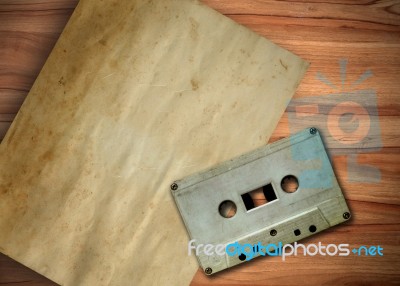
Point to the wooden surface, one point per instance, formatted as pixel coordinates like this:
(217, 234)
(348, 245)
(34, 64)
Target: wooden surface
(365, 33)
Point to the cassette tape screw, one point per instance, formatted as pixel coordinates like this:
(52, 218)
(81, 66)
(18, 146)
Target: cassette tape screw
(208, 270)
(346, 215)
(273, 232)
(174, 186)
(313, 130)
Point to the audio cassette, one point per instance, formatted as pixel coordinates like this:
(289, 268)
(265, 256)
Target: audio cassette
(277, 194)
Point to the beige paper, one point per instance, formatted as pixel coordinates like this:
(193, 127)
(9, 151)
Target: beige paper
(135, 95)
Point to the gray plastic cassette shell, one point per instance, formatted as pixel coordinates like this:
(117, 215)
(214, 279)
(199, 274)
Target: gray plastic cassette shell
(199, 196)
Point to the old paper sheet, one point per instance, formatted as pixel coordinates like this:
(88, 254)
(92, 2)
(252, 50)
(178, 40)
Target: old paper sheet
(135, 95)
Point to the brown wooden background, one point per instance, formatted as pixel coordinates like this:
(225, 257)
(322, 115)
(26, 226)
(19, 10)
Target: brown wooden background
(365, 32)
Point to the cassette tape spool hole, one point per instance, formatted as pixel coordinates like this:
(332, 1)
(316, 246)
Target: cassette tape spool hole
(227, 209)
(289, 184)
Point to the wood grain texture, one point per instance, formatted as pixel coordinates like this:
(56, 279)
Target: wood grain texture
(366, 33)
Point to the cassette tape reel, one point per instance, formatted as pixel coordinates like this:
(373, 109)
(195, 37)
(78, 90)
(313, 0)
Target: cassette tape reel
(282, 192)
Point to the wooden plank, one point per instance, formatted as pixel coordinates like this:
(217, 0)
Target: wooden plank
(389, 130)
(12, 272)
(66, 6)
(375, 12)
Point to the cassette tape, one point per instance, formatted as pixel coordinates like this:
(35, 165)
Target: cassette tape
(279, 193)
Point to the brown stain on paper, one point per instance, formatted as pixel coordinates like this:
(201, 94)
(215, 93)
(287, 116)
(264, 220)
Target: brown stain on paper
(195, 84)
(194, 28)
(285, 66)
(47, 156)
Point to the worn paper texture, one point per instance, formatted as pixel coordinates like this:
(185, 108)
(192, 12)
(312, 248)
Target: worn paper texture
(135, 95)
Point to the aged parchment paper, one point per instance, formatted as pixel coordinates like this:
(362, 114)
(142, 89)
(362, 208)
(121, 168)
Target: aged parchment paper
(135, 95)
